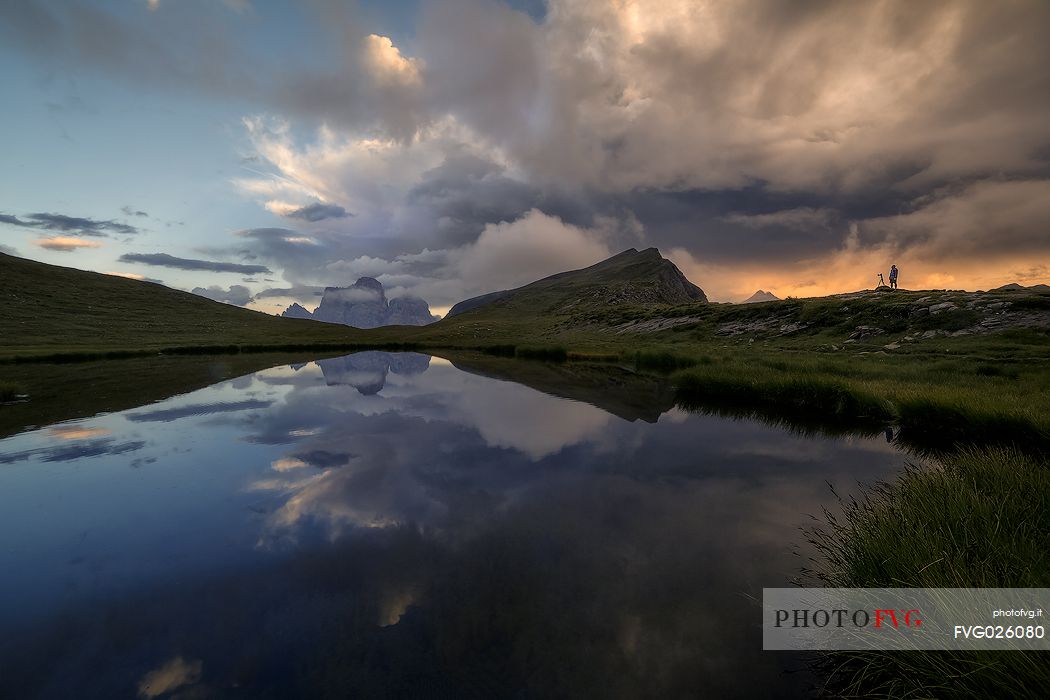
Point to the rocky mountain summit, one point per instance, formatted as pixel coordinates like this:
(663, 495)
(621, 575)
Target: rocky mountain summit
(364, 305)
(630, 278)
(296, 311)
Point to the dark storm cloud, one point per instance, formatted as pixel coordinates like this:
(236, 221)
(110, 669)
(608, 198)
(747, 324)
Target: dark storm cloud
(165, 260)
(61, 222)
(237, 294)
(318, 212)
(305, 292)
(467, 192)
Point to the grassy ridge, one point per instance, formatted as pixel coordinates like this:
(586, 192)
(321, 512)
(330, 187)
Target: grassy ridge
(979, 519)
(51, 310)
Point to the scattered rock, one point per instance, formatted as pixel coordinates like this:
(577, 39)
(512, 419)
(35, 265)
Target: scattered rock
(861, 332)
(946, 306)
(892, 346)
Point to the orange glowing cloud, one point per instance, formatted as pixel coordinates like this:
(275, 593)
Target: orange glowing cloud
(65, 244)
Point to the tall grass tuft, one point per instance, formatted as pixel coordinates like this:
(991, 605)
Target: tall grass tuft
(980, 519)
(828, 400)
(941, 424)
(664, 361)
(9, 391)
(500, 350)
(548, 354)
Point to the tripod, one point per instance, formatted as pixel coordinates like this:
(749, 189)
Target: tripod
(882, 281)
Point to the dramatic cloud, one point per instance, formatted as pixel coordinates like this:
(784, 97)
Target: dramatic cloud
(386, 64)
(61, 222)
(663, 114)
(8, 250)
(165, 260)
(237, 294)
(511, 254)
(797, 146)
(65, 244)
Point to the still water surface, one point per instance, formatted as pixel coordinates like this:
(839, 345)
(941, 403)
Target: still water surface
(391, 526)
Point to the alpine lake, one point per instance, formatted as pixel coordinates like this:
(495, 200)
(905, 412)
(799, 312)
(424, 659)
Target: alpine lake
(388, 525)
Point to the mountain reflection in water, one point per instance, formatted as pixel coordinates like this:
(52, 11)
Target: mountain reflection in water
(393, 526)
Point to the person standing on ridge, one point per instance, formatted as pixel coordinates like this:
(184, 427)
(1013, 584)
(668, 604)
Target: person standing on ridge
(893, 276)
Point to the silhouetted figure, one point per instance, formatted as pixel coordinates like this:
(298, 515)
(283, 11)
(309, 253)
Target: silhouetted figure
(893, 276)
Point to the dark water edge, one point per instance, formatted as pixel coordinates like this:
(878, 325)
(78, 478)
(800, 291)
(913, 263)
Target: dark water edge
(394, 526)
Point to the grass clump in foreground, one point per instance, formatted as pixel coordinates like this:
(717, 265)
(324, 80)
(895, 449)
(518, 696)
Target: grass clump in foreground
(548, 354)
(980, 519)
(9, 391)
(665, 361)
(937, 403)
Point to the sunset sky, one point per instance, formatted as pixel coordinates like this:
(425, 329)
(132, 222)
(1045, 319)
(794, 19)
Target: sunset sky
(259, 151)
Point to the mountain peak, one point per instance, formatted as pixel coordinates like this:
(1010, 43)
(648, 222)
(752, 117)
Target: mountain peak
(761, 295)
(630, 278)
(364, 305)
(369, 283)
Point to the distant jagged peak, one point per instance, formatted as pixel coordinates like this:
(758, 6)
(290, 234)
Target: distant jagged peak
(297, 311)
(364, 305)
(1015, 287)
(759, 296)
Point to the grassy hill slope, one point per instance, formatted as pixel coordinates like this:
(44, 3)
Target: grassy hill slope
(45, 309)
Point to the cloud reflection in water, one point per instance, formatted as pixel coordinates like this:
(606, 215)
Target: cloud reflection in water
(439, 531)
